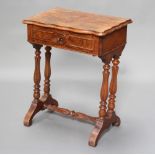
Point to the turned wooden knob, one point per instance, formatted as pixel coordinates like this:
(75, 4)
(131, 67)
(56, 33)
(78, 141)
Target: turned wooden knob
(61, 41)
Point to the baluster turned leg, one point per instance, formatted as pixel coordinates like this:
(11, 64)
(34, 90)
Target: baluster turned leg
(47, 97)
(47, 72)
(113, 90)
(36, 105)
(100, 124)
(104, 91)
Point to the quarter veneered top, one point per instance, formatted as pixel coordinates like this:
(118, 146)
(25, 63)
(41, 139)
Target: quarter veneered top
(76, 21)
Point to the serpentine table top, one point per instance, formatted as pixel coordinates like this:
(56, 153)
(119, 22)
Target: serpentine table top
(77, 21)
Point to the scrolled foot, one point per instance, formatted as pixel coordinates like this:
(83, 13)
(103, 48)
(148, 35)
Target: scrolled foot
(27, 122)
(34, 108)
(96, 133)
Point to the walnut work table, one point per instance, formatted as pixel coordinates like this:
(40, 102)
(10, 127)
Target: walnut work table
(97, 35)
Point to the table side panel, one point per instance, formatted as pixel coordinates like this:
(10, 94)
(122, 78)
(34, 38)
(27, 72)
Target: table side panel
(113, 41)
(63, 39)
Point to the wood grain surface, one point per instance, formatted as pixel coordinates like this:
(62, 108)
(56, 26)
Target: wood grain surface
(77, 21)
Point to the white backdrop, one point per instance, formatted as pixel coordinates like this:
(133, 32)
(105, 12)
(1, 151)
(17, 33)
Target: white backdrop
(76, 81)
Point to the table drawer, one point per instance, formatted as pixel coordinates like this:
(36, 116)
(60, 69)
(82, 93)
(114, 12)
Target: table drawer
(62, 39)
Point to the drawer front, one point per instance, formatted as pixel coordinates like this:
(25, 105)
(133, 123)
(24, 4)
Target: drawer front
(74, 41)
(62, 39)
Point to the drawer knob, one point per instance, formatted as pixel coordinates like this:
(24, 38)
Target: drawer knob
(61, 41)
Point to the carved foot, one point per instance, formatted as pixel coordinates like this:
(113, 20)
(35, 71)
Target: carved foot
(34, 109)
(96, 133)
(100, 127)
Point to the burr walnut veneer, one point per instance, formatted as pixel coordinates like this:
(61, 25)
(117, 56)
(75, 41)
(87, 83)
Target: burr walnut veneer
(97, 35)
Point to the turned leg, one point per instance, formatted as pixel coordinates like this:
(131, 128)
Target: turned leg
(113, 90)
(36, 105)
(47, 71)
(47, 97)
(101, 123)
(104, 91)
